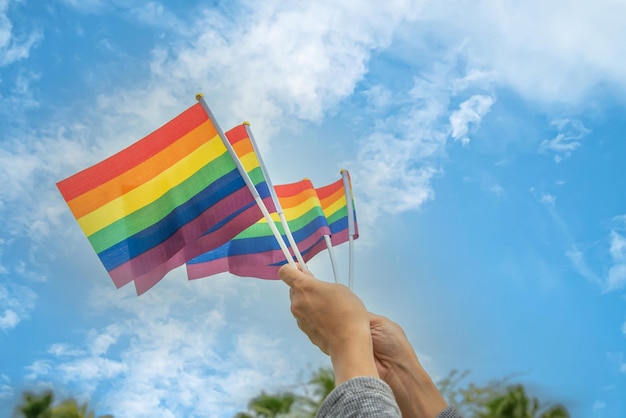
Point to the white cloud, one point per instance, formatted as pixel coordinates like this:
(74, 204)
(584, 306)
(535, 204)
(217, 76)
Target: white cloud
(86, 6)
(497, 189)
(570, 132)
(271, 67)
(599, 406)
(16, 303)
(548, 199)
(62, 350)
(9, 319)
(89, 369)
(101, 342)
(470, 111)
(6, 389)
(378, 97)
(13, 48)
(397, 161)
(554, 52)
(578, 260)
(182, 349)
(616, 272)
(38, 369)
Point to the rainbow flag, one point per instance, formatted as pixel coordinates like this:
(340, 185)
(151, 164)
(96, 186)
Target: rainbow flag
(335, 206)
(255, 252)
(242, 146)
(165, 199)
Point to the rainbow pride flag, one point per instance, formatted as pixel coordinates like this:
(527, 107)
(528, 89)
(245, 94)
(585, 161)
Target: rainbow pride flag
(255, 252)
(333, 199)
(165, 199)
(242, 146)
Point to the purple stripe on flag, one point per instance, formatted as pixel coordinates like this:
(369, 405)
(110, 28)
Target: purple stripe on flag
(146, 281)
(141, 264)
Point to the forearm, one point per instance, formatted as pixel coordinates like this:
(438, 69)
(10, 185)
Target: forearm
(414, 390)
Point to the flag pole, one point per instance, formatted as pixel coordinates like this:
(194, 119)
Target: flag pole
(246, 178)
(279, 208)
(347, 187)
(331, 254)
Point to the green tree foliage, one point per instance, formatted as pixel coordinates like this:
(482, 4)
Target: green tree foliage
(515, 403)
(36, 406)
(270, 406)
(291, 405)
(41, 406)
(497, 399)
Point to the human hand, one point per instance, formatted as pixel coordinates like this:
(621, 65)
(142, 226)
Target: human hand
(391, 347)
(398, 365)
(335, 320)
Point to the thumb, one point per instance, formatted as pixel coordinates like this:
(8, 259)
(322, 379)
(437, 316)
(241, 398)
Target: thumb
(289, 275)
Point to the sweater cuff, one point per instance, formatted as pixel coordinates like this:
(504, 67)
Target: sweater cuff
(360, 395)
(449, 412)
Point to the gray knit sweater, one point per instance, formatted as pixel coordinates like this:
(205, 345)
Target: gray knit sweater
(366, 397)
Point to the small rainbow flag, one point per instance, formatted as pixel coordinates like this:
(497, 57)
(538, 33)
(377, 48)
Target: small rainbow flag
(255, 251)
(333, 199)
(145, 208)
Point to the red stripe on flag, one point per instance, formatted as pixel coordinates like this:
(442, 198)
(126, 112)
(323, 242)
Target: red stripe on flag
(133, 155)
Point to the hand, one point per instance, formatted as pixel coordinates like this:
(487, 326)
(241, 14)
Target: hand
(391, 346)
(399, 367)
(335, 320)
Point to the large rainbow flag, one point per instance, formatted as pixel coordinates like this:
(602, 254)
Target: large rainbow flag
(165, 199)
(255, 251)
(242, 146)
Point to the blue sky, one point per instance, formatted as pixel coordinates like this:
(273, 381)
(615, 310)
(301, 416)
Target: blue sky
(485, 143)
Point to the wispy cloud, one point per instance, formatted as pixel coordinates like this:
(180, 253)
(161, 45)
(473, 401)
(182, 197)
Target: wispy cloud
(598, 407)
(548, 199)
(86, 6)
(406, 149)
(553, 52)
(617, 273)
(615, 278)
(6, 389)
(568, 139)
(16, 303)
(617, 359)
(167, 357)
(577, 259)
(472, 112)
(14, 47)
(397, 161)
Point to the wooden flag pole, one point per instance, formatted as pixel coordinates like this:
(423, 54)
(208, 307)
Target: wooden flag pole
(246, 178)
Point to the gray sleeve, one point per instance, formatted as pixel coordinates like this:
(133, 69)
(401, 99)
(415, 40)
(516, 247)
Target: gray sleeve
(360, 397)
(449, 412)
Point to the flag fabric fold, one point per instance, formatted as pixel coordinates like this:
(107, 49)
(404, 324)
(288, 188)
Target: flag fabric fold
(163, 200)
(255, 253)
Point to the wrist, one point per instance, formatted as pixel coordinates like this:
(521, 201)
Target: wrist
(353, 357)
(416, 393)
